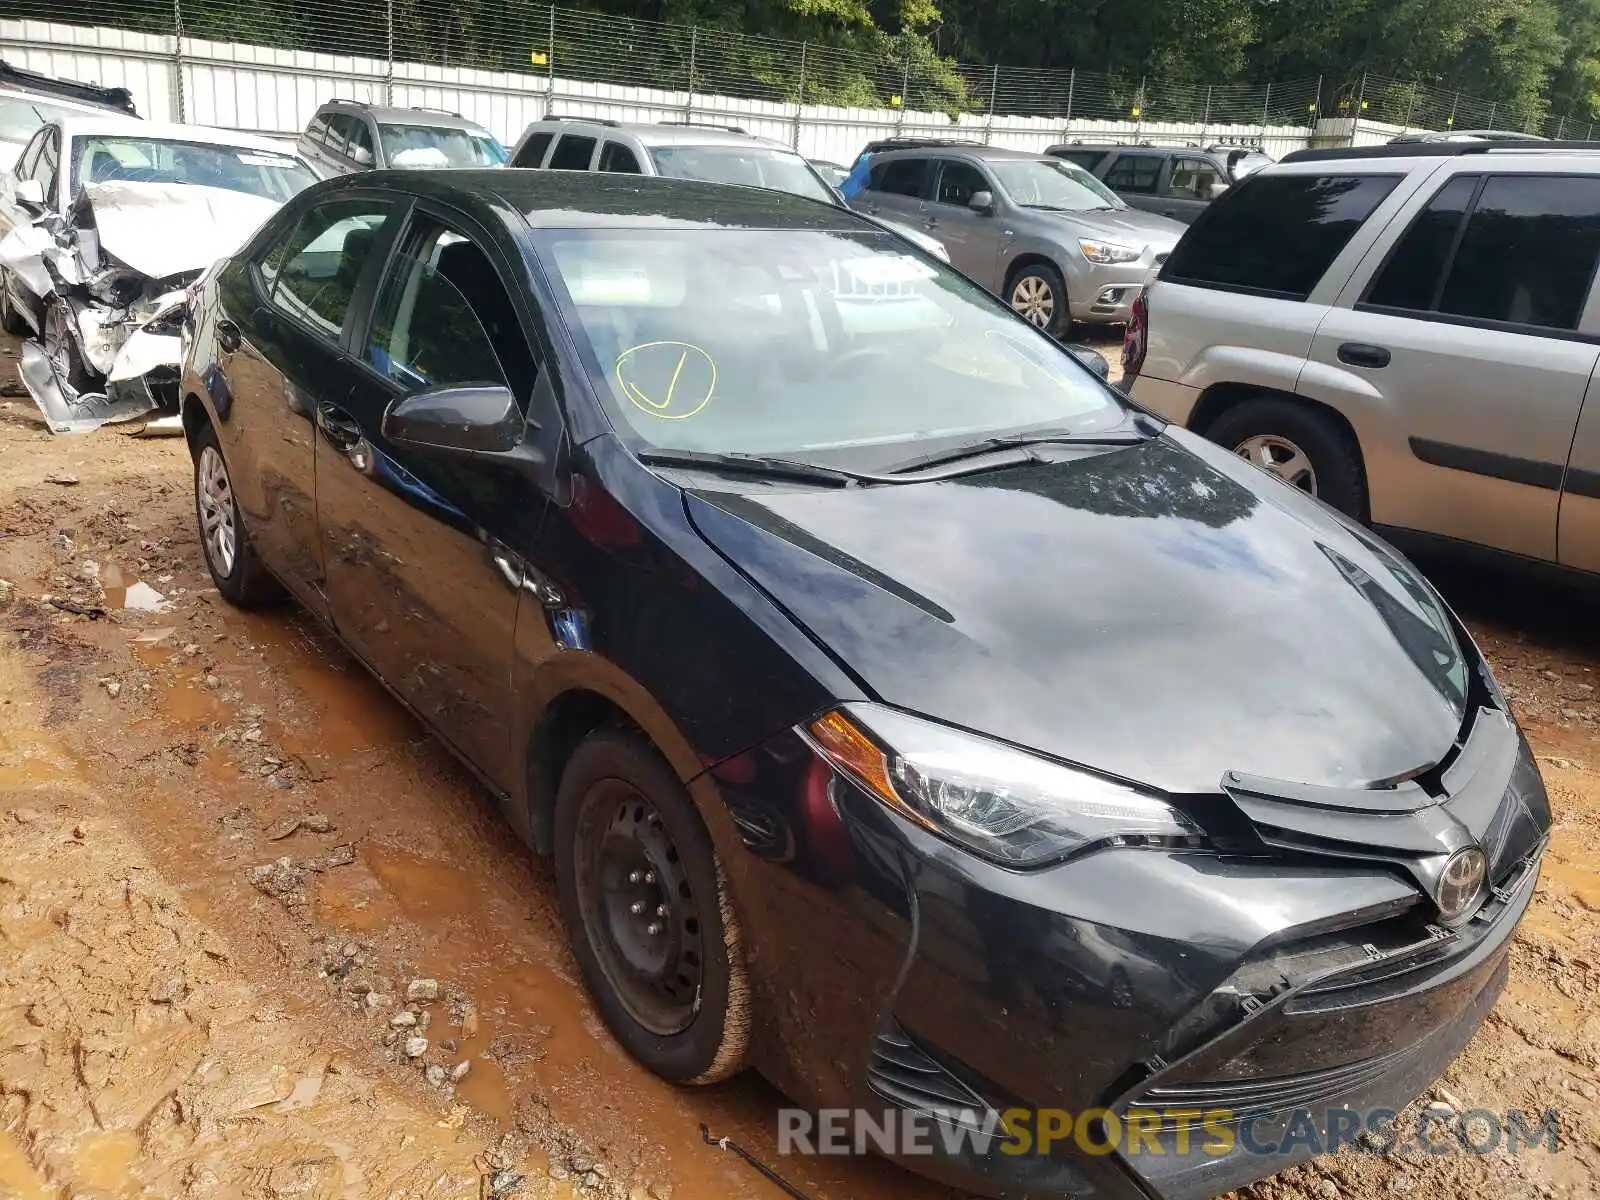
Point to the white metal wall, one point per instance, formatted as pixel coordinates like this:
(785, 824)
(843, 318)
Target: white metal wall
(266, 90)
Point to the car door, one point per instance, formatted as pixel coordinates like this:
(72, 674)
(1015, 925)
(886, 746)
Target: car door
(282, 359)
(971, 238)
(1467, 343)
(897, 189)
(417, 585)
(1188, 187)
(1136, 177)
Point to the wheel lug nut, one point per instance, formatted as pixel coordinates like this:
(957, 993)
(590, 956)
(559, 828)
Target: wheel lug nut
(649, 876)
(661, 910)
(654, 929)
(633, 877)
(636, 907)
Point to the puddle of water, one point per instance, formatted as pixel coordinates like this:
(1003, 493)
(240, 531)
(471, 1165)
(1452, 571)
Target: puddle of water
(124, 589)
(104, 1161)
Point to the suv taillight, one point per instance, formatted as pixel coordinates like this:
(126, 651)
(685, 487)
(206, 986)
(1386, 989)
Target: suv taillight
(1136, 338)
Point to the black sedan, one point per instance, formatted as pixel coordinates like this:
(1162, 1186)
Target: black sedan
(909, 717)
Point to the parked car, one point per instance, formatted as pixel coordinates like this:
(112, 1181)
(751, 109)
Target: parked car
(1044, 234)
(29, 100)
(684, 150)
(1177, 182)
(878, 679)
(103, 222)
(347, 135)
(1409, 333)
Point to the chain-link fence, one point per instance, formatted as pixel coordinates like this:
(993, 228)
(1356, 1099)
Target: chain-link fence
(575, 51)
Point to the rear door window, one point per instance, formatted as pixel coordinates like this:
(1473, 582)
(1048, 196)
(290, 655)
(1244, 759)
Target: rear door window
(317, 272)
(1137, 173)
(359, 142)
(1276, 235)
(572, 153)
(1412, 276)
(617, 157)
(532, 152)
(901, 177)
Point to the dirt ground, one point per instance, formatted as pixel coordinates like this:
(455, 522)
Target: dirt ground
(260, 936)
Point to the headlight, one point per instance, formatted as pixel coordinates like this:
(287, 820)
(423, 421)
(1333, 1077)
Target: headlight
(1008, 806)
(1097, 251)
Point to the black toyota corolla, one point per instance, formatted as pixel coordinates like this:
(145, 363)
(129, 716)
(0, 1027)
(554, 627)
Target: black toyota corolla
(908, 717)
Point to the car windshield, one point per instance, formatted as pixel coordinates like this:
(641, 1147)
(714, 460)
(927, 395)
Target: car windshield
(432, 146)
(805, 342)
(1052, 183)
(749, 166)
(21, 115)
(101, 158)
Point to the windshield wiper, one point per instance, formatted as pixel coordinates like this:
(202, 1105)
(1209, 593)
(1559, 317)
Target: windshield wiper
(757, 464)
(938, 458)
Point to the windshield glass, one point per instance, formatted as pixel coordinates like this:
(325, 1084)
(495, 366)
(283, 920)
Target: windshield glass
(263, 173)
(431, 146)
(1052, 183)
(748, 166)
(20, 116)
(803, 342)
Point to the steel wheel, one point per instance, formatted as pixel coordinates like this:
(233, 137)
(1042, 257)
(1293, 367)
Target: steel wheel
(215, 495)
(1033, 298)
(639, 909)
(1281, 457)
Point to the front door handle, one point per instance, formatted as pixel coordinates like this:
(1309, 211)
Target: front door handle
(931, 223)
(337, 426)
(228, 335)
(1359, 354)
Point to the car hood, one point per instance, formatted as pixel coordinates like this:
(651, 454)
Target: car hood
(1163, 613)
(166, 229)
(1129, 224)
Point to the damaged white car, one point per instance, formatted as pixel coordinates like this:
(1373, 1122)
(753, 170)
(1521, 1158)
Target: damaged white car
(104, 224)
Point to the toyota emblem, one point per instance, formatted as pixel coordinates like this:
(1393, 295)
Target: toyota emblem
(1460, 882)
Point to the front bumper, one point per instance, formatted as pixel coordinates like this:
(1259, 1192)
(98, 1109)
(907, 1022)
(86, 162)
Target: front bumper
(1104, 294)
(1258, 988)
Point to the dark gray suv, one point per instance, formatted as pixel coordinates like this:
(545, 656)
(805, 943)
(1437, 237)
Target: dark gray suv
(347, 136)
(1175, 181)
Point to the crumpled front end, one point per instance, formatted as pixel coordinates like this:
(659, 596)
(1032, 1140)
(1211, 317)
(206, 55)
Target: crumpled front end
(111, 344)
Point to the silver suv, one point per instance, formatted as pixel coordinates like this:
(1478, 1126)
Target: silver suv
(684, 150)
(347, 136)
(1040, 232)
(1409, 332)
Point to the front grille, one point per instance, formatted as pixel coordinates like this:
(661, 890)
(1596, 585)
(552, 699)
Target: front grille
(903, 1073)
(1245, 1098)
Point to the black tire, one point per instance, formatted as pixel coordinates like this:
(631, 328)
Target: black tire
(10, 319)
(61, 347)
(1337, 478)
(1042, 274)
(241, 576)
(618, 795)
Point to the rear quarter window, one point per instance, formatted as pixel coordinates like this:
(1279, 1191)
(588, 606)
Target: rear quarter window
(1276, 235)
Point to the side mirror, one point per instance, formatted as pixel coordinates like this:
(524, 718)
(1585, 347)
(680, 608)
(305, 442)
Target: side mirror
(361, 156)
(982, 202)
(464, 420)
(30, 195)
(1093, 359)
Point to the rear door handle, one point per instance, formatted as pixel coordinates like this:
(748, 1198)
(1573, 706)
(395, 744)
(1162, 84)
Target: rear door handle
(228, 335)
(337, 426)
(1359, 354)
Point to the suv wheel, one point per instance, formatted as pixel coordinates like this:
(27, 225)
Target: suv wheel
(648, 913)
(1038, 294)
(1298, 444)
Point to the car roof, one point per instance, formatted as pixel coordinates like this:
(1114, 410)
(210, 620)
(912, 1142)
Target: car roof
(435, 118)
(15, 80)
(662, 134)
(597, 199)
(165, 131)
(86, 107)
(958, 150)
